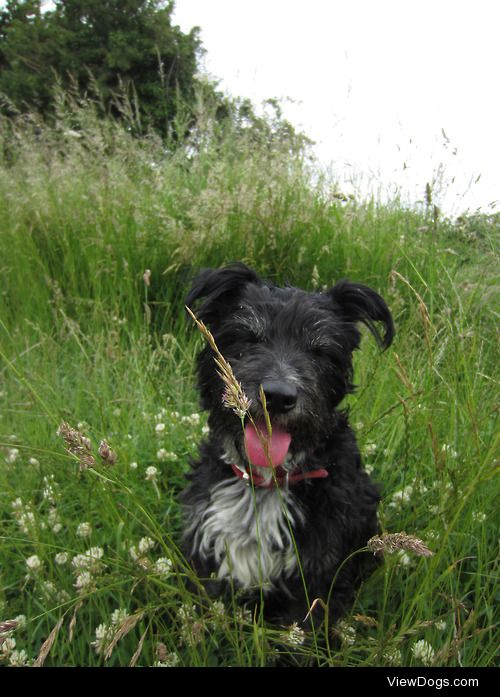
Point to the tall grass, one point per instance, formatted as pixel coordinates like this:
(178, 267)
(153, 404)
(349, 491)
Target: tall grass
(89, 338)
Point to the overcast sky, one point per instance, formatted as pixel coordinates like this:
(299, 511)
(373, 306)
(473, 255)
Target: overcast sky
(375, 83)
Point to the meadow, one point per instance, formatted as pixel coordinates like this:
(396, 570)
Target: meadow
(100, 235)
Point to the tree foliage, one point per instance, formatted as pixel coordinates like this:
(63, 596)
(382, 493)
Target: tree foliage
(106, 47)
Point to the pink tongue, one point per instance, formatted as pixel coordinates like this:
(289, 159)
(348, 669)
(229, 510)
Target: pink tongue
(277, 446)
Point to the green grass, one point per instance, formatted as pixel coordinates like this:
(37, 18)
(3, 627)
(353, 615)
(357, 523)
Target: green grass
(83, 339)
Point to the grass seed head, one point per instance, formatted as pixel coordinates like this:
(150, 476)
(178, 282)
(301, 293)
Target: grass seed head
(393, 542)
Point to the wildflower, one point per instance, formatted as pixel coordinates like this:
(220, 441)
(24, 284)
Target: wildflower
(103, 636)
(393, 657)
(89, 561)
(151, 473)
(192, 419)
(159, 428)
(402, 496)
(145, 544)
(170, 660)
(163, 566)
(449, 451)
(18, 659)
(191, 628)
(423, 651)
(7, 645)
(34, 462)
(163, 455)
(479, 516)
(441, 625)
(20, 622)
(346, 633)
(146, 277)
(392, 542)
(84, 530)
(54, 521)
(370, 449)
(133, 465)
(12, 455)
(24, 516)
(34, 563)
(403, 558)
(295, 635)
(48, 493)
(84, 582)
(119, 616)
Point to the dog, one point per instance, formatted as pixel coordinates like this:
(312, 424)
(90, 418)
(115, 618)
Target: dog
(275, 518)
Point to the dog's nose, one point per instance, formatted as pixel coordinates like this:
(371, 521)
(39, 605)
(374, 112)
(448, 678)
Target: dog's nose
(281, 397)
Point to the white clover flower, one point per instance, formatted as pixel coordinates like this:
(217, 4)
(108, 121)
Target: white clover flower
(17, 504)
(151, 473)
(478, 516)
(163, 455)
(84, 530)
(21, 622)
(84, 581)
(12, 455)
(347, 633)
(48, 493)
(159, 428)
(34, 563)
(8, 645)
(447, 448)
(133, 465)
(393, 657)
(103, 636)
(145, 544)
(205, 430)
(171, 660)
(401, 497)
(191, 628)
(18, 659)
(119, 616)
(295, 635)
(370, 449)
(34, 462)
(441, 625)
(403, 558)
(163, 566)
(48, 589)
(423, 651)
(54, 521)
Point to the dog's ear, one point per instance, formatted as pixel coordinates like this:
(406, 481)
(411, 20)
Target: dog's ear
(359, 303)
(218, 288)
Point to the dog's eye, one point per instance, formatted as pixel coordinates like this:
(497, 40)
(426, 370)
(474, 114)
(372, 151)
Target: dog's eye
(323, 345)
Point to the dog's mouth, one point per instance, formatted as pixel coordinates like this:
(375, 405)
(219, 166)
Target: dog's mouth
(263, 449)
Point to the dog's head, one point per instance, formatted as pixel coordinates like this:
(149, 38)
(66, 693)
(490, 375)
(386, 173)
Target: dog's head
(297, 345)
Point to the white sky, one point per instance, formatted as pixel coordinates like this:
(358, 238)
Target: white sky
(375, 82)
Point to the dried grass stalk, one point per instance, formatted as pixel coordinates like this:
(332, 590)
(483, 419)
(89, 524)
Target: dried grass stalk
(47, 645)
(125, 627)
(393, 542)
(234, 397)
(77, 445)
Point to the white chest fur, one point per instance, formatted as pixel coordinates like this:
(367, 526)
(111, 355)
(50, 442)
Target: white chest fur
(249, 532)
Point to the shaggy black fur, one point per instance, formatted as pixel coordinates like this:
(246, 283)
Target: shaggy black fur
(300, 345)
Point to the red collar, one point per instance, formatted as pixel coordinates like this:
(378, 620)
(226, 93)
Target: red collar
(281, 478)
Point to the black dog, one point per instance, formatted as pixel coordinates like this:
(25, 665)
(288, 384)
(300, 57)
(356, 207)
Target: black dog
(276, 521)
